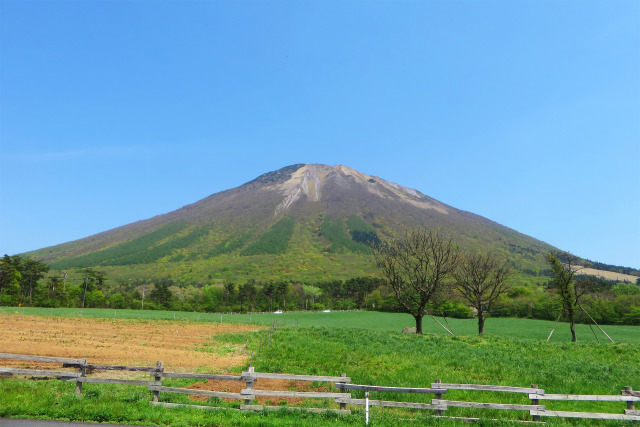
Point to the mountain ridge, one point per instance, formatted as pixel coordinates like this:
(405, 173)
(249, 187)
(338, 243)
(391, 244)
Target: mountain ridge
(317, 197)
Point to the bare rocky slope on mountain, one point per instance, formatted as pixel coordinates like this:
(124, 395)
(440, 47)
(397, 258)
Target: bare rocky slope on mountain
(301, 221)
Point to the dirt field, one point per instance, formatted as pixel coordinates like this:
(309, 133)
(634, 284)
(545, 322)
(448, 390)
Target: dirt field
(122, 342)
(135, 343)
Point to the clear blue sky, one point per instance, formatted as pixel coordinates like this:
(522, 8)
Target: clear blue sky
(526, 112)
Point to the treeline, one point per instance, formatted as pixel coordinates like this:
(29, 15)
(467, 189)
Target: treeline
(27, 282)
(607, 302)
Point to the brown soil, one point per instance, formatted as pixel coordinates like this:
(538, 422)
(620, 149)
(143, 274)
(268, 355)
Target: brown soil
(137, 343)
(123, 342)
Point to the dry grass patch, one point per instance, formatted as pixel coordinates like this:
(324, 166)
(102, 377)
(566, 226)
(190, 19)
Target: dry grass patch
(120, 342)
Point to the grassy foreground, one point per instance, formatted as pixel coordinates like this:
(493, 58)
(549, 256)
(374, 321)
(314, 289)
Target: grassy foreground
(370, 354)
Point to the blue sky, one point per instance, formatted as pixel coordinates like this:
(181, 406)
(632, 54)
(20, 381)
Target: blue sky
(525, 112)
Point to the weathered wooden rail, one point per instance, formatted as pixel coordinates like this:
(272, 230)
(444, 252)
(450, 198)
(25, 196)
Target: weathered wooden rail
(390, 403)
(253, 376)
(535, 409)
(627, 395)
(77, 371)
(61, 360)
(83, 369)
(220, 394)
(486, 405)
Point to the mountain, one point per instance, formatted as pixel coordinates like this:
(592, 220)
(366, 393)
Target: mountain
(301, 222)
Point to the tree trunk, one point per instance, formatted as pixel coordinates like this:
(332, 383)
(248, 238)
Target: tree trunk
(572, 326)
(418, 323)
(480, 321)
(31, 291)
(84, 294)
(573, 331)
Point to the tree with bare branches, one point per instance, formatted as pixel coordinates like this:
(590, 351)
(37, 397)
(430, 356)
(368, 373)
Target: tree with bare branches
(416, 266)
(564, 267)
(480, 279)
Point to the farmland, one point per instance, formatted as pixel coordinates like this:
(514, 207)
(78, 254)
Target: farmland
(365, 345)
(376, 321)
(120, 341)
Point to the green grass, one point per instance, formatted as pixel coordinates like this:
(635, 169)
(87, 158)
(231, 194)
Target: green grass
(371, 320)
(368, 357)
(369, 348)
(394, 359)
(130, 404)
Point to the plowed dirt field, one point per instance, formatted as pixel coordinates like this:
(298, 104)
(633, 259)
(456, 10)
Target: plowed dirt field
(179, 345)
(122, 342)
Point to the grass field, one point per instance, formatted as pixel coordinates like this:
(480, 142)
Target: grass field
(370, 320)
(370, 349)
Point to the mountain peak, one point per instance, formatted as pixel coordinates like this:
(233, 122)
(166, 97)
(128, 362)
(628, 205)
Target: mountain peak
(314, 180)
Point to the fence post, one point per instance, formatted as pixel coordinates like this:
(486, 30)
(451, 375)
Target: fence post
(159, 368)
(438, 396)
(249, 382)
(535, 402)
(82, 370)
(366, 405)
(342, 390)
(630, 404)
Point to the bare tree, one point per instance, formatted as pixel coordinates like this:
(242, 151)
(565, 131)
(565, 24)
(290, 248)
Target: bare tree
(480, 279)
(564, 267)
(416, 266)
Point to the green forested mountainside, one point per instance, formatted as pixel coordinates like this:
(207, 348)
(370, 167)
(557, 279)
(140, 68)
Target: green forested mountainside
(302, 222)
(334, 230)
(275, 241)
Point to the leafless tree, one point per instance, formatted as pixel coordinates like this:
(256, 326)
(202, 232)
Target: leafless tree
(480, 279)
(564, 267)
(416, 266)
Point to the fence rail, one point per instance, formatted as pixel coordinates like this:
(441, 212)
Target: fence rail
(81, 368)
(42, 359)
(484, 387)
(390, 389)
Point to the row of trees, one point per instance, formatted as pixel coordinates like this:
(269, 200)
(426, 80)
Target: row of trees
(424, 266)
(24, 282)
(422, 272)
(19, 278)
(21, 283)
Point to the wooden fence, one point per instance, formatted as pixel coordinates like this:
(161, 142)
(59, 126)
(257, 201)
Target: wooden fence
(439, 405)
(248, 394)
(83, 368)
(77, 370)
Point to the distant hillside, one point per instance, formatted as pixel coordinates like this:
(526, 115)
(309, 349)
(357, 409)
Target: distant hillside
(302, 222)
(609, 275)
(627, 271)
